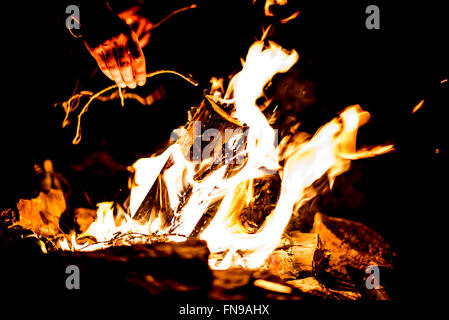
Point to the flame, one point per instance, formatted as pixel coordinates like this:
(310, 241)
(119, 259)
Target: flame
(328, 152)
(216, 88)
(175, 199)
(269, 3)
(268, 13)
(291, 17)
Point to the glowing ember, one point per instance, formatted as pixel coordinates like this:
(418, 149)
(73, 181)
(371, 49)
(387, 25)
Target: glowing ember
(418, 106)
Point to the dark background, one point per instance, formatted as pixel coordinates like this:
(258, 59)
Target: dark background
(388, 71)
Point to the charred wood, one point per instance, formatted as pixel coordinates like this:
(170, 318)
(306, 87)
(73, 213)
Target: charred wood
(297, 256)
(351, 244)
(175, 269)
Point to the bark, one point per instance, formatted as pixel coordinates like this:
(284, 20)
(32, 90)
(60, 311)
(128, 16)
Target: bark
(297, 256)
(351, 244)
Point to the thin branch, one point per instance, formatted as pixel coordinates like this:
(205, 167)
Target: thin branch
(72, 104)
(193, 6)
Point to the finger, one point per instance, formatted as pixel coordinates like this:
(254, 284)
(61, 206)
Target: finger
(137, 60)
(139, 70)
(140, 28)
(112, 66)
(148, 26)
(144, 40)
(144, 37)
(125, 66)
(97, 54)
(101, 61)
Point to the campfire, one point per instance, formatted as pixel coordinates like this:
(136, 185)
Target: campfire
(220, 199)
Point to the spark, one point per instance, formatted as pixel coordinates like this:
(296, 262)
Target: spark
(418, 106)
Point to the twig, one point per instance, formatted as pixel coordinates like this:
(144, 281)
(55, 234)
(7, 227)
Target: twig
(75, 99)
(193, 6)
(122, 99)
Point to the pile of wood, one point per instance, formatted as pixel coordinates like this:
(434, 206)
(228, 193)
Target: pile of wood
(327, 264)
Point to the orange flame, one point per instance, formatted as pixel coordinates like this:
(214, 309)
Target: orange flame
(293, 16)
(269, 3)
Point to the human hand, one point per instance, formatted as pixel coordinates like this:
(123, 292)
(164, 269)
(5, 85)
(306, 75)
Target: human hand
(140, 25)
(117, 51)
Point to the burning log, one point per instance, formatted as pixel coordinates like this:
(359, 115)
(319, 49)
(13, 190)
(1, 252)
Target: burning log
(241, 284)
(297, 256)
(41, 214)
(351, 244)
(310, 285)
(375, 293)
(205, 116)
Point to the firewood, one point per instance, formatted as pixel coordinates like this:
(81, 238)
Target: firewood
(374, 293)
(310, 285)
(41, 214)
(154, 269)
(351, 244)
(207, 117)
(241, 284)
(296, 256)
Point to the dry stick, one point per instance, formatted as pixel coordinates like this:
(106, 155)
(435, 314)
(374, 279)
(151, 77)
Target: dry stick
(122, 99)
(193, 6)
(77, 138)
(126, 95)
